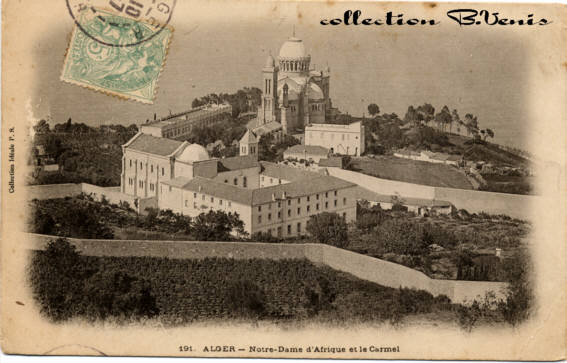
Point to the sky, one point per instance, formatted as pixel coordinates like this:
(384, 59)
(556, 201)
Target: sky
(482, 72)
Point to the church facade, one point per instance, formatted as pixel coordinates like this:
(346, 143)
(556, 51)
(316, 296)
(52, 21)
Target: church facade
(293, 94)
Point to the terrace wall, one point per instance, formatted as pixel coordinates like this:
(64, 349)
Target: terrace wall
(364, 267)
(474, 201)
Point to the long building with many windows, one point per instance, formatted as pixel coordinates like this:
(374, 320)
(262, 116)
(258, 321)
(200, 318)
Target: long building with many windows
(180, 125)
(268, 197)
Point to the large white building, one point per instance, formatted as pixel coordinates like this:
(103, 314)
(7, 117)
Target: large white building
(339, 139)
(293, 93)
(268, 197)
(180, 125)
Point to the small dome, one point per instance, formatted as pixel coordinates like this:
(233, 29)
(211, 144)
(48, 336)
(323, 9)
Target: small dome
(293, 48)
(192, 153)
(315, 92)
(270, 62)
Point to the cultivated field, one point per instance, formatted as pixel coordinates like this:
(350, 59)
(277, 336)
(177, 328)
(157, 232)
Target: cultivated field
(412, 171)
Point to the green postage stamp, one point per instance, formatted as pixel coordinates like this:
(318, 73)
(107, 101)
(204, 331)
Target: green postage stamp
(116, 55)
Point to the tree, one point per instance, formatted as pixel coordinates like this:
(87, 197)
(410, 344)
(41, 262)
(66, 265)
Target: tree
(411, 115)
(328, 228)
(42, 127)
(443, 118)
(489, 133)
(471, 123)
(425, 113)
(373, 109)
(456, 119)
(217, 226)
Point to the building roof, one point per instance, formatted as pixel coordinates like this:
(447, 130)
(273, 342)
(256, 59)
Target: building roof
(308, 150)
(193, 153)
(219, 190)
(249, 137)
(237, 163)
(178, 182)
(267, 128)
(332, 161)
(153, 145)
(292, 48)
(353, 127)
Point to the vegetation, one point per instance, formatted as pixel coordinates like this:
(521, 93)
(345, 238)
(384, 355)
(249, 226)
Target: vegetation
(84, 218)
(244, 100)
(270, 150)
(328, 228)
(175, 291)
(84, 154)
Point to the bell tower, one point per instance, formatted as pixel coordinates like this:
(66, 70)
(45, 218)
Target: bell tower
(269, 91)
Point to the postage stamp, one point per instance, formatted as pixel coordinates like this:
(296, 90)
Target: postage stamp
(116, 55)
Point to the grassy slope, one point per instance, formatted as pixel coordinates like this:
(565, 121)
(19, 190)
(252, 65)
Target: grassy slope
(412, 171)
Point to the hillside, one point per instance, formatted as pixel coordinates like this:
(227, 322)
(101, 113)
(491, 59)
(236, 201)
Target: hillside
(412, 171)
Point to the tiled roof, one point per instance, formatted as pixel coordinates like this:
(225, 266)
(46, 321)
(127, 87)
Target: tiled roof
(153, 145)
(317, 184)
(308, 149)
(220, 190)
(237, 163)
(267, 128)
(249, 137)
(178, 182)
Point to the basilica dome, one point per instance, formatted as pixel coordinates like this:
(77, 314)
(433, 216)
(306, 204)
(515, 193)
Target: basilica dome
(192, 153)
(293, 48)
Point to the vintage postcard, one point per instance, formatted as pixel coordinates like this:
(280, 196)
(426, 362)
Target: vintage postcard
(265, 179)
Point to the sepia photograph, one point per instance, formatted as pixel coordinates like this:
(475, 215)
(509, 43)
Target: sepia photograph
(284, 180)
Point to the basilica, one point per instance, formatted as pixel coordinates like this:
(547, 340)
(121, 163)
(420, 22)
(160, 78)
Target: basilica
(293, 94)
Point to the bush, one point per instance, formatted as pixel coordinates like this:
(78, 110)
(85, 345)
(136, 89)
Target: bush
(328, 228)
(246, 298)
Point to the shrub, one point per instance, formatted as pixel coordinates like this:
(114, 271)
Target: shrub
(246, 298)
(328, 228)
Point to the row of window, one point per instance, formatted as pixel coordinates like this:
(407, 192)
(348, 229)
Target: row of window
(272, 180)
(278, 230)
(308, 198)
(204, 198)
(141, 184)
(133, 164)
(322, 135)
(289, 211)
(235, 181)
(316, 107)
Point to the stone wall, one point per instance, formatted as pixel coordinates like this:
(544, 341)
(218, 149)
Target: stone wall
(474, 201)
(52, 191)
(364, 267)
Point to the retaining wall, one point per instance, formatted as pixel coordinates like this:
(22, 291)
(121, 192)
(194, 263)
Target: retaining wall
(52, 191)
(474, 201)
(364, 267)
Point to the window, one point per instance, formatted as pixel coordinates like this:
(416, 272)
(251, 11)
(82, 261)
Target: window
(289, 229)
(259, 219)
(289, 202)
(262, 178)
(326, 194)
(141, 166)
(271, 180)
(317, 206)
(269, 216)
(298, 211)
(235, 181)
(279, 204)
(289, 212)
(130, 162)
(229, 203)
(152, 168)
(270, 206)
(220, 201)
(308, 208)
(279, 181)
(244, 182)
(162, 171)
(344, 201)
(279, 214)
(335, 202)
(326, 205)
(298, 227)
(226, 181)
(344, 215)
(335, 193)
(317, 197)
(308, 198)
(186, 203)
(194, 195)
(298, 200)
(259, 208)
(212, 199)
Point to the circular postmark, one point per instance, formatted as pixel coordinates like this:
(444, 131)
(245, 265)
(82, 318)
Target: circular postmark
(135, 21)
